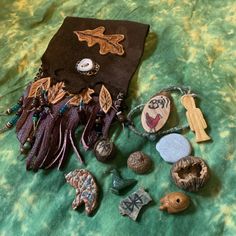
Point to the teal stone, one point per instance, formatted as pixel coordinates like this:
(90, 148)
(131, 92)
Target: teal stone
(119, 184)
(173, 147)
(27, 145)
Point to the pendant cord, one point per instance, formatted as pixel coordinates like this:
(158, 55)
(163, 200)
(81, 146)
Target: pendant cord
(156, 136)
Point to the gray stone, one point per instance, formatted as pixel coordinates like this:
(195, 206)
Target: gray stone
(173, 147)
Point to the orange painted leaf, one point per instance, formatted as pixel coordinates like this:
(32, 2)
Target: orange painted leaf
(56, 93)
(105, 99)
(108, 43)
(84, 96)
(41, 83)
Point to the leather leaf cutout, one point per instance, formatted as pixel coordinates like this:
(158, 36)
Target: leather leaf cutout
(84, 96)
(35, 90)
(107, 43)
(105, 99)
(56, 93)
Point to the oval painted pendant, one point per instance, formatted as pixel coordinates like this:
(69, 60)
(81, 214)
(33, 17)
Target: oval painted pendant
(155, 113)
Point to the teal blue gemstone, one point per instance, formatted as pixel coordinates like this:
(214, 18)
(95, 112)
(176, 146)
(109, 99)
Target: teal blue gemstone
(173, 147)
(27, 145)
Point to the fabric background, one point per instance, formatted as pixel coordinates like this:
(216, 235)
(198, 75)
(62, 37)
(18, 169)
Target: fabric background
(190, 43)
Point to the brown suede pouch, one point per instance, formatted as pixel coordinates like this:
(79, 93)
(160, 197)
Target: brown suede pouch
(64, 50)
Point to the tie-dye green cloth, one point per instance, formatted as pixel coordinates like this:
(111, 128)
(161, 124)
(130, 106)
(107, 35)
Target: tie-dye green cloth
(191, 43)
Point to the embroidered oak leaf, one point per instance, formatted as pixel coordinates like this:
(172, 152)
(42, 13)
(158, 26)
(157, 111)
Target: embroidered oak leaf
(105, 99)
(108, 43)
(35, 90)
(56, 93)
(84, 96)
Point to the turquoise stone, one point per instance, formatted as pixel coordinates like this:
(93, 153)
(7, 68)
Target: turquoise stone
(173, 147)
(27, 145)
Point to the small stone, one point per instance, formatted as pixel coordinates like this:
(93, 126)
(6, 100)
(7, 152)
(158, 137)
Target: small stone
(27, 145)
(190, 173)
(174, 202)
(139, 162)
(119, 183)
(132, 204)
(104, 150)
(173, 147)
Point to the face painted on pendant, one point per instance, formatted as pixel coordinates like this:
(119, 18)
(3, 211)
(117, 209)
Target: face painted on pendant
(155, 113)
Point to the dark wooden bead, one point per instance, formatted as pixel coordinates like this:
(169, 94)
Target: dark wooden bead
(104, 150)
(23, 151)
(121, 117)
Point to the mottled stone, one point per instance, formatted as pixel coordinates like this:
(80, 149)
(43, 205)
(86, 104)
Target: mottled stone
(132, 204)
(173, 147)
(174, 202)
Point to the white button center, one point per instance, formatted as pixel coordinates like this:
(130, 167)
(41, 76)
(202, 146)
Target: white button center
(85, 65)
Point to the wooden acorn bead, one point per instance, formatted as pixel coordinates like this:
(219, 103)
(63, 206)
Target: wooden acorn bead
(174, 202)
(190, 173)
(139, 162)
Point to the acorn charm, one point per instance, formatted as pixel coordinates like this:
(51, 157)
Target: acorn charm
(139, 162)
(174, 202)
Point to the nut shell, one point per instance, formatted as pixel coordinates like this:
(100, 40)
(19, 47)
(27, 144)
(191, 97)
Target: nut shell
(175, 202)
(139, 162)
(190, 173)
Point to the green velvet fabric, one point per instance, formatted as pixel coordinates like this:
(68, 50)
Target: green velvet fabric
(190, 43)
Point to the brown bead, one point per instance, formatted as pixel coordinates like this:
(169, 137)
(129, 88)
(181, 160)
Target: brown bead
(23, 151)
(121, 117)
(139, 162)
(174, 202)
(104, 150)
(190, 173)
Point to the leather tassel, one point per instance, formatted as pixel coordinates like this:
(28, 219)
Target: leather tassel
(75, 148)
(89, 137)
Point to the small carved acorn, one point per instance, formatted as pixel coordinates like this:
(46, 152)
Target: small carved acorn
(139, 162)
(190, 173)
(174, 202)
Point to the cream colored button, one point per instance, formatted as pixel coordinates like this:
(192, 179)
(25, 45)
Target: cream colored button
(85, 65)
